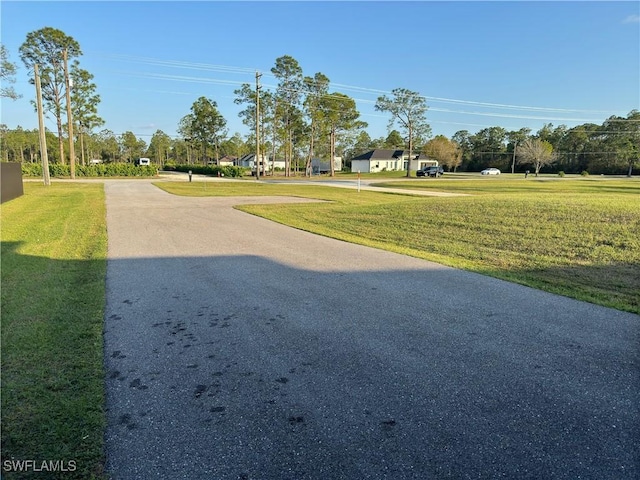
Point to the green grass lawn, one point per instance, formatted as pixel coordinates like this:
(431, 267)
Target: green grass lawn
(53, 292)
(578, 237)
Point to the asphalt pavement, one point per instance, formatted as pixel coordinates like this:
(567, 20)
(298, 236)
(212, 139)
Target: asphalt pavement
(239, 348)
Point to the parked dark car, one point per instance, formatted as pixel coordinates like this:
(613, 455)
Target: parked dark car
(430, 172)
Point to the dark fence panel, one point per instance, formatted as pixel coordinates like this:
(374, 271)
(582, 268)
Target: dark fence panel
(10, 181)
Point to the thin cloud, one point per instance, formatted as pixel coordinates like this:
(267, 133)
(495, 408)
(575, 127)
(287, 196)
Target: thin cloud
(632, 19)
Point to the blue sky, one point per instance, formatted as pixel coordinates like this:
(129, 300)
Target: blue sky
(479, 64)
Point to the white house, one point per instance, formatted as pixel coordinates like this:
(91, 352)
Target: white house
(381, 159)
(248, 161)
(227, 161)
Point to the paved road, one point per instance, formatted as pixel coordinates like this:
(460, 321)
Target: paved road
(238, 348)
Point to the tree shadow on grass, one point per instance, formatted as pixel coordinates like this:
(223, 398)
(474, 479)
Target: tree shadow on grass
(52, 368)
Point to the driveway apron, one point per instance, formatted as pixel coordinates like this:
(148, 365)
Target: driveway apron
(239, 348)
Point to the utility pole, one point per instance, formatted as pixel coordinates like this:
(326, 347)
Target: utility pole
(273, 133)
(257, 162)
(513, 162)
(43, 138)
(72, 153)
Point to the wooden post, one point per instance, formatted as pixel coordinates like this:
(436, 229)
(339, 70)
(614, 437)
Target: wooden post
(257, 162)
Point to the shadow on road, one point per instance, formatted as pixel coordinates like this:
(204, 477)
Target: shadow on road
(215, 368)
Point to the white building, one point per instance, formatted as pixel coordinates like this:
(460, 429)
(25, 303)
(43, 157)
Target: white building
(381, 159)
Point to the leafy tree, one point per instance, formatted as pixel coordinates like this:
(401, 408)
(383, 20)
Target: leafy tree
(316, 89)
(462, 138)
(516, 138)
(84, 104)
(578, 145)
(360, 143)
(108, 145)
(131, 146)
(447, 153)
(234, 146)
(342, 118)
(180, 151)
(14, 144)
(552, 135)
(4, 130)
(18, 143)
(489, 140)
(488, 147)
(288, 72)
(394, 140)
(45, 47)
(247, 95)
(7, 75)
(623, 137)
(185, 129)
(537, 152)
(409, 109)
(205, 125)
(159, 146)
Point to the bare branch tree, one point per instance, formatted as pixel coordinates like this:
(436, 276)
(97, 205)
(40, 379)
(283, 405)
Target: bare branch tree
(537, 152)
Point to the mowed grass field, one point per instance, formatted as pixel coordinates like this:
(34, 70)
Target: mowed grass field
(578, 237)
(53, 292)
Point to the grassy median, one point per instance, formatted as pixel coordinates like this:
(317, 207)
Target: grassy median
(578, 237)
(53, 291)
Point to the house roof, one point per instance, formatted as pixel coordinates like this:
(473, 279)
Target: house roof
(379, 154)
(387, 154)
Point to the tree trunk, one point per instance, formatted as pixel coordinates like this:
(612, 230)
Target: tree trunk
(274, 149)
(289, 154)
(82, 157)
(307, 167)
(410, 152)
(332, 150)
(60, 143)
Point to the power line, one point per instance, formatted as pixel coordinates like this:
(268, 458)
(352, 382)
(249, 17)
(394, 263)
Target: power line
(250, 71)
(182, 78)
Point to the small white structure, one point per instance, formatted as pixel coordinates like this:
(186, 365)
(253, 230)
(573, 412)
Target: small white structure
(248, 161)
(319, 166)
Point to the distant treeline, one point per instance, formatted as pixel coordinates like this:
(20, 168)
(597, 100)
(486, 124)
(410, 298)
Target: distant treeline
(610, 148)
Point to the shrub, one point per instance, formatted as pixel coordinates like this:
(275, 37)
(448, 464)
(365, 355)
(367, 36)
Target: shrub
(31, 169)
(100, 170)
(561, 173)
(584, 173)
